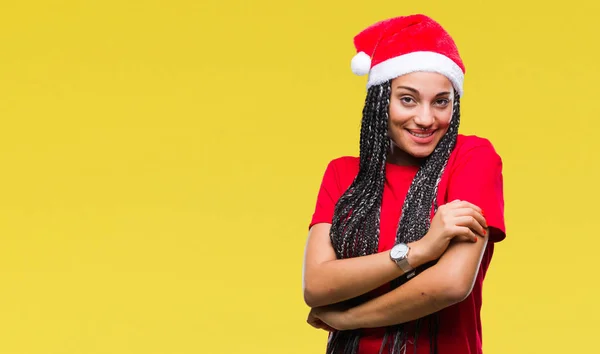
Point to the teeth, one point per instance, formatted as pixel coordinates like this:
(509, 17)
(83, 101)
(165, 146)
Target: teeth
(421, 135)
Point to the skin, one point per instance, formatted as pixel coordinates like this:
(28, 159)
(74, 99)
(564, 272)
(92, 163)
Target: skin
(419, 102)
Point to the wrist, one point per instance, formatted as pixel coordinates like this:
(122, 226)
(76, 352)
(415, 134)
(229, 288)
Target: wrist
(416, 256)
(351, 317)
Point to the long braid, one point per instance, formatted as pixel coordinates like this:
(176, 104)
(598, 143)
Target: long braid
(355, 226)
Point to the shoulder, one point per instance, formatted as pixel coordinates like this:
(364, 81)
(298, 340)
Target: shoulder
(469, 147)
(344, 164)
(341, 171)
(476, 176)
(468, 142)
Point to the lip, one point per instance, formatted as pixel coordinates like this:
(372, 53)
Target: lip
(419, 140)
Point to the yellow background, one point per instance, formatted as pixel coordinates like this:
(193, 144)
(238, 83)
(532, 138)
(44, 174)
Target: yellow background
(160, 163)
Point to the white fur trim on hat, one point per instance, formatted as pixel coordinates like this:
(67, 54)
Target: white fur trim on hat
(417, 61)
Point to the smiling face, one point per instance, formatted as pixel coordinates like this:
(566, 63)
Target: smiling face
(419, 115)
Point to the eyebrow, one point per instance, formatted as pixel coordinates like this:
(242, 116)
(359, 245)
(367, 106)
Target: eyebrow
(417, 92)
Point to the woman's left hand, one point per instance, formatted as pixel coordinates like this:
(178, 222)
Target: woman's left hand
(333, 316)
(318, 323)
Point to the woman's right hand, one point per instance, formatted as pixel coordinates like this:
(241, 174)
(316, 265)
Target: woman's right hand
(458, 220)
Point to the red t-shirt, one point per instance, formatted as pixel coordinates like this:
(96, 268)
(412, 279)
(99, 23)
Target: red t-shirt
(474, 174)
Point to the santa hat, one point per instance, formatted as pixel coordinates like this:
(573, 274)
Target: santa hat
(401, 45)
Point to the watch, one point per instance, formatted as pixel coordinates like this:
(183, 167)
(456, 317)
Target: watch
(399, 254)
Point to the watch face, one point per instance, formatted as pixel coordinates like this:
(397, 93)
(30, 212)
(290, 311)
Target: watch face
(399, 251)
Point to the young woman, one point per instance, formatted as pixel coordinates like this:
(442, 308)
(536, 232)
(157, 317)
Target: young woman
(402, 236)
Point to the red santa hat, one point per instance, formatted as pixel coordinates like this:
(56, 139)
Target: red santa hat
(401, 45)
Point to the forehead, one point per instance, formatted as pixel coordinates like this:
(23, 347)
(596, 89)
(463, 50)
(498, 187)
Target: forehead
(424, 82)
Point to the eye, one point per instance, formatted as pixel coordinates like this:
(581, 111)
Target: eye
(407, 99)
(443, 102)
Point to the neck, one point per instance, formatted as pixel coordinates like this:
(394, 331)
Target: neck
(397, 156)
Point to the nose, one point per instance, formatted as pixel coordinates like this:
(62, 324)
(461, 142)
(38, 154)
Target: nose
(425, 118)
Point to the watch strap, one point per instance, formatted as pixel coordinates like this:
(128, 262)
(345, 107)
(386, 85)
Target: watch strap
(403, 264)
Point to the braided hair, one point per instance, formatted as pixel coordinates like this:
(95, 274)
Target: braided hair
(355, 226)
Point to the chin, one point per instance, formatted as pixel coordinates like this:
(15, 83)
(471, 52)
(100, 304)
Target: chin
(419, 150)
(421, 153)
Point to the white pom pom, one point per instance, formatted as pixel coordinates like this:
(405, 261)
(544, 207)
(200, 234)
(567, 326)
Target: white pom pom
(361, 64)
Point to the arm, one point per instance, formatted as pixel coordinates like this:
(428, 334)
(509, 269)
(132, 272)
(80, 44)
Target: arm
(477, 179)
(328, 280)
(325, 279)
(446, 283)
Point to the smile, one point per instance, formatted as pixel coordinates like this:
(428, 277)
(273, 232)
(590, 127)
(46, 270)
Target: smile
(421, 135)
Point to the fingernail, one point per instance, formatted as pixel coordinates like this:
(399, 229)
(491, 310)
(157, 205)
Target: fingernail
(475, 239)
(484, 232)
